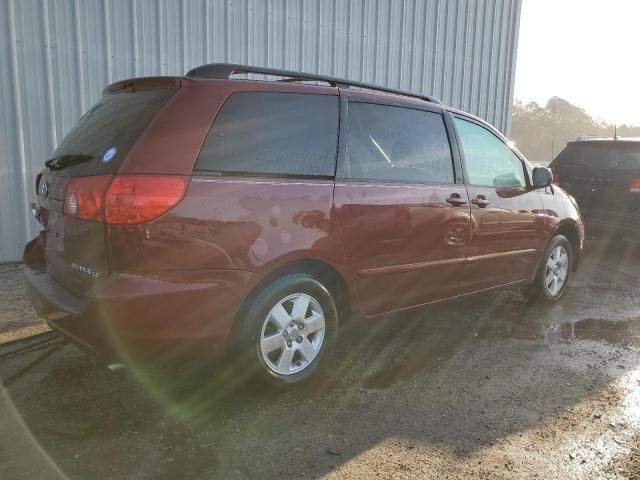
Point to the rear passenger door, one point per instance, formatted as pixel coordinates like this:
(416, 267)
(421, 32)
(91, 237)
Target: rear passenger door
(507, 224)
(261, 193)
(403, 218)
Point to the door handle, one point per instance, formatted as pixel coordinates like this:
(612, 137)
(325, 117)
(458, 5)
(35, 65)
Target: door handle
(481, 201)
(456, 200)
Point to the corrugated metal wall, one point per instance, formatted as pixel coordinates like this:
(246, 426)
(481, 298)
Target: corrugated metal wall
(57, 56)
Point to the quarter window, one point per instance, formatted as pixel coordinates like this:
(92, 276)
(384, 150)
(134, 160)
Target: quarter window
(488, 160)
(274, 134)
(398, 144)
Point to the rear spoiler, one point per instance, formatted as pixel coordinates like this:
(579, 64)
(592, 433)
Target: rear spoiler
(144, 83)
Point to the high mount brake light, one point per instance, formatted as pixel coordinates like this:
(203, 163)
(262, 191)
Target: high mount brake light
(556, 178)
(123, 199)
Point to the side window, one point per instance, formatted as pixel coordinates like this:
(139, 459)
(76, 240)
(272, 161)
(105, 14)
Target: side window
(488, 160)
(274, 134)
(398, 144)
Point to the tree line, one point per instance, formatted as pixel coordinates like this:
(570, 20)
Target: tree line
(541, 132)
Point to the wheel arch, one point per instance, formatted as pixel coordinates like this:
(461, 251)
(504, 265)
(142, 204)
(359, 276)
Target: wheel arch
(570, 230)
(326, 273)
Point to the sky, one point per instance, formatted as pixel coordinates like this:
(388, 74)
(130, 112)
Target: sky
(585, 51)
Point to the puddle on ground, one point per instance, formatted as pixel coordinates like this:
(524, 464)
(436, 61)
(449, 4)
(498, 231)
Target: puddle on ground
(624, 332)
(619, 332)
(419, 355)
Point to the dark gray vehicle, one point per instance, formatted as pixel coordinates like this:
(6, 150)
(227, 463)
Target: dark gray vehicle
(603, 175)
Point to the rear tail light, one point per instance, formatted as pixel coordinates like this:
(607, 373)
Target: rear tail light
(556, 177)
(635, 186)
(84, 197)
(123, 199)
(133, 199)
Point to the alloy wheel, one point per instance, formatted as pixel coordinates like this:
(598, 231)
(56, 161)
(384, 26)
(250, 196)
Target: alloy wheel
(556, 270)
(292, 334)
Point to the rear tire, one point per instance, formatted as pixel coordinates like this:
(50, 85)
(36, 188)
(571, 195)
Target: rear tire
(553, 272)
(287, 329)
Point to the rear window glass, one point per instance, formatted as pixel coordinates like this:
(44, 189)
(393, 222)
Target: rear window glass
(622, 156)
(390, 143)
(273, 134)
(103, 136)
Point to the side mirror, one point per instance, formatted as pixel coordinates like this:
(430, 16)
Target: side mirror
(542, 177)
(509, 179)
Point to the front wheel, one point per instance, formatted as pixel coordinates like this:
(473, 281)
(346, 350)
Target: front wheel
(288, 328)
(553, 273)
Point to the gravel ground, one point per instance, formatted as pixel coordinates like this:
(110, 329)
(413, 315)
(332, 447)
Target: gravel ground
(488, 387)
(17, 319)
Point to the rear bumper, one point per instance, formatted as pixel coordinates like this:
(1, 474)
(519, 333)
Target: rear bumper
(142, 313)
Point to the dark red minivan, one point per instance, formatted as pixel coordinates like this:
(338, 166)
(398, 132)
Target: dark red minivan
(209, 212)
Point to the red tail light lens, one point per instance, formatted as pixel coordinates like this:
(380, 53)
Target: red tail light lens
(123, 199)
(556, 177)
(84, 197)
(635, 186)
(134, 199)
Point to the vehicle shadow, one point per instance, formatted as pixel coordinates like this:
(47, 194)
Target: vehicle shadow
(456, 377)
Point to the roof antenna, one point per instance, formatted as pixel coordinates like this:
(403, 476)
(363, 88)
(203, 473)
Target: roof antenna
(615, 131)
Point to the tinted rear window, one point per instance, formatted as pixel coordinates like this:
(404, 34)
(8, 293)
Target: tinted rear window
(103, 136)
(609, 155)
(273, 134)
(390, 143)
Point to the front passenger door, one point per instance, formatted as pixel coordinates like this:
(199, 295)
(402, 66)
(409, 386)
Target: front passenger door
(507, 224)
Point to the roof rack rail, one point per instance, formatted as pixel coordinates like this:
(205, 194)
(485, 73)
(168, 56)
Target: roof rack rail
(225, 70)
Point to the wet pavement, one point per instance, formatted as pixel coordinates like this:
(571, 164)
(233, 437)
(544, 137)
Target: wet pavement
(486, 387)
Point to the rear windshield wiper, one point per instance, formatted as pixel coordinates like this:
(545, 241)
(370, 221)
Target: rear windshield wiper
(64, 161)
